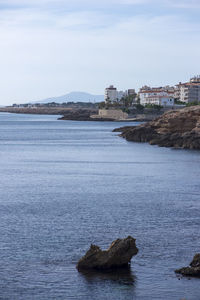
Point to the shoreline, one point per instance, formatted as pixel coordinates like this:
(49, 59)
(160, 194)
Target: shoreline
(178, 129)
(81, 114)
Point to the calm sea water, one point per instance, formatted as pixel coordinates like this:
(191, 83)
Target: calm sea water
(67, 184)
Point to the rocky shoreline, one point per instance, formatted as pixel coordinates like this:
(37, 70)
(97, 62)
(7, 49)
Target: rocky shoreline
(75, 114)
(177, 129)
(67, 112)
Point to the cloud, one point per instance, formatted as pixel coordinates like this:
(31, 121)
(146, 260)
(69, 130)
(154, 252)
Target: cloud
(94, 3)
(45, 53)
(68, 4)
(192, 4)
(36, 2)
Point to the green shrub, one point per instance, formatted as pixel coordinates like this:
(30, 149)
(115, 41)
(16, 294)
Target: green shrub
(192, 103)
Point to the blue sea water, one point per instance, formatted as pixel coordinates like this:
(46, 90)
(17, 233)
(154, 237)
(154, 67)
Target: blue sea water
(67, 184)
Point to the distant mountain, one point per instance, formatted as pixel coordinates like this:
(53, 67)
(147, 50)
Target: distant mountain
(73, 97)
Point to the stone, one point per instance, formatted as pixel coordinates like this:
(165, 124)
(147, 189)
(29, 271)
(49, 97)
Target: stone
(193, 270)
(119, 254)
(177, 128)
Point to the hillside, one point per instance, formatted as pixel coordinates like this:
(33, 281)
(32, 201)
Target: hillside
(73, 97)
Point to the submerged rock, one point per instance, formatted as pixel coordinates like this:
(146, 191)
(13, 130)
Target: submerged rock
(178, 129)
(193, 270)
(119, 254)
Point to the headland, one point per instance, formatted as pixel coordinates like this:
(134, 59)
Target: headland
(177, 129)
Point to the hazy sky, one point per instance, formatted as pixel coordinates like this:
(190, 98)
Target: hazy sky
(52, 47)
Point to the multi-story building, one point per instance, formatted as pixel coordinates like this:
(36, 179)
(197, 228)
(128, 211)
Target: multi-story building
(131, 92)
(163, 96)
(112, 95)
(190, 91)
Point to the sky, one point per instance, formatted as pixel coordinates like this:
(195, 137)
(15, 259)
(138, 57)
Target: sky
(52, 47)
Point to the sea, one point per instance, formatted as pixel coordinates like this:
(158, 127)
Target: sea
(67, 184)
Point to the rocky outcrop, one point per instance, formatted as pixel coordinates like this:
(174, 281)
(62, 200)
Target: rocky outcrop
(119, 254)
(78, 115)
(193, 270)
(179, 129)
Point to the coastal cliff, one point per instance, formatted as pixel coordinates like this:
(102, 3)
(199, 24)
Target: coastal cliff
(178, 129)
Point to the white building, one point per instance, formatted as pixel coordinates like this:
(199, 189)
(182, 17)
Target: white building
(190, 91)
(113, 95)
(157, 96)
(162, 100)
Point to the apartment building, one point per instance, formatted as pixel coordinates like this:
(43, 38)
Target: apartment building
(131, 92)
(190, 91)
(163, 96)
(113, 95)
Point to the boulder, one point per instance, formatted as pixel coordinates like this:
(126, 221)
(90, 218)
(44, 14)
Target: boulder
(176, 128)
(194, 268)
(119, 254)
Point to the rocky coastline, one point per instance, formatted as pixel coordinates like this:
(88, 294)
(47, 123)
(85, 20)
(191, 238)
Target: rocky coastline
(76, 114)
(66, 112)
(177, 129)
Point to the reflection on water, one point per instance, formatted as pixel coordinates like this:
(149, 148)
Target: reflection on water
(123, 276)
(65, 185)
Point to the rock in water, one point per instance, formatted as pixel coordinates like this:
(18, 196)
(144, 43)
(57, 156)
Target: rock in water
(119, 254)
(193, 270)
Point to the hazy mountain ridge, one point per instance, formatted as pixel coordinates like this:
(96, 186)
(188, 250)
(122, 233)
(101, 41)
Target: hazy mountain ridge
(73, 97)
